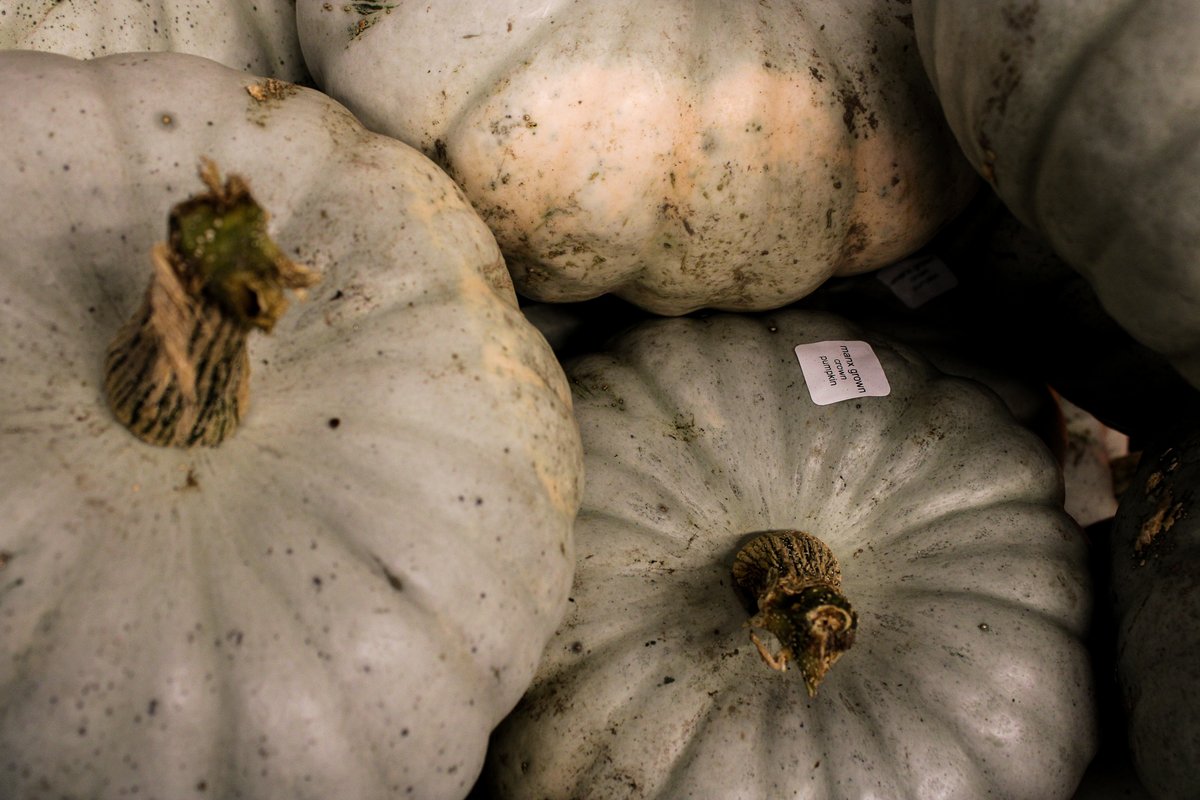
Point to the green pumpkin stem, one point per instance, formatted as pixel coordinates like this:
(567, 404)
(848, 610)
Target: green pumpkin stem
(177, 373)
(794, 581)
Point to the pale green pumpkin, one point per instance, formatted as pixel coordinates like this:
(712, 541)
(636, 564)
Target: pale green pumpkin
(967, 676)
(1082, 116)
(346, 594)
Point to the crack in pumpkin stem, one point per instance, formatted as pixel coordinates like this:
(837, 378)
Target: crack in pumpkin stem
(177, 373)
(793, 582)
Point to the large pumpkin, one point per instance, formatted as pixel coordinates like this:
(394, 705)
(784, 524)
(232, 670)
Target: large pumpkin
(967, 676)
(257, 36)
(678, 154)
(1156, 587)
(344, 596)
(1082, 116)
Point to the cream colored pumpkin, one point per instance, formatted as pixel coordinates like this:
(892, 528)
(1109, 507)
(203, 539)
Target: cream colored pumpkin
(680, 155)
(342, 598)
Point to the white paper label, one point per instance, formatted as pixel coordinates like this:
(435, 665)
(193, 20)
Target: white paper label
(918, 280)
(836, 371)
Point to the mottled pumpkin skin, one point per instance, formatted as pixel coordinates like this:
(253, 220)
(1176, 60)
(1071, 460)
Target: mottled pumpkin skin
(969, 677)
(1156, 587)
(680, 155)
(258, 36)
(343, 598)
(1082, 117)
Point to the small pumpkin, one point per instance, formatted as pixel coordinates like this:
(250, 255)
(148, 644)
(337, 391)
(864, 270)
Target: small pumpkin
(258, 36)
(1081, 116)
(1156, 593)
(341, 596)
(679, 155)
(941, 525)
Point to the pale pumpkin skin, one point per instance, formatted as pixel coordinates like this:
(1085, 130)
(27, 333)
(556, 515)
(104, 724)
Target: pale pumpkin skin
(1082, 116)
(258, 36)
(343, 598)
(677, 154)
(968, 678)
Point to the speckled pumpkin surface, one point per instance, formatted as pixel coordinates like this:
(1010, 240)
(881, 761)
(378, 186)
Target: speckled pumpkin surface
(968, 676)
(346, 595)
(258, 36)
(678, 154)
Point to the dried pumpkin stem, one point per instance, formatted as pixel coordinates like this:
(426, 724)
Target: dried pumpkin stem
(794, 581)
(177, 373)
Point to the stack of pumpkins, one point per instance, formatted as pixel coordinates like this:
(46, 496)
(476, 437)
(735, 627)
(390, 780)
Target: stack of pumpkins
(710, 358)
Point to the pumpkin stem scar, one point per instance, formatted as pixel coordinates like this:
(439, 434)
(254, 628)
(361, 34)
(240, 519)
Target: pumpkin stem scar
(794, 581)
(177, 373)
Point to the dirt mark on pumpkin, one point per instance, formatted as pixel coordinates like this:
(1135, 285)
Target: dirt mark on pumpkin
(271, 89)
(1167, 510)
(1006, 78)
(267, 94)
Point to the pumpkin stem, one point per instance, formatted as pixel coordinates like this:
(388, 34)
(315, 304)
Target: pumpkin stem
(177, 373)
(794, 582)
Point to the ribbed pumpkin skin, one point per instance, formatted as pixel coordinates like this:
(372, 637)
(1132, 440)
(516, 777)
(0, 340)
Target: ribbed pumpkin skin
(258, 36)
(678, 154)
(1082, 115)
(343, 598)
(1156, 587)
(968, 678)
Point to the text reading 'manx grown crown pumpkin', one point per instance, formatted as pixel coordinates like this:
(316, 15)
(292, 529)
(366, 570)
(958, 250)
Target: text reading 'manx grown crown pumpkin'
(678, 154)
(905, 556)
(251, 550)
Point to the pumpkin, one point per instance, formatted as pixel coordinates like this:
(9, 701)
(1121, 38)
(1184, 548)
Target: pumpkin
(680, 155)
(1156, 597)
(257, 36)
(962, 581)
(1081, 116)
(335, 591)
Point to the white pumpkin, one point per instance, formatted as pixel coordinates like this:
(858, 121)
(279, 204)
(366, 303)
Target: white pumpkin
(343, 597)
(258, 36)
(677, 154)
(968, 676)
